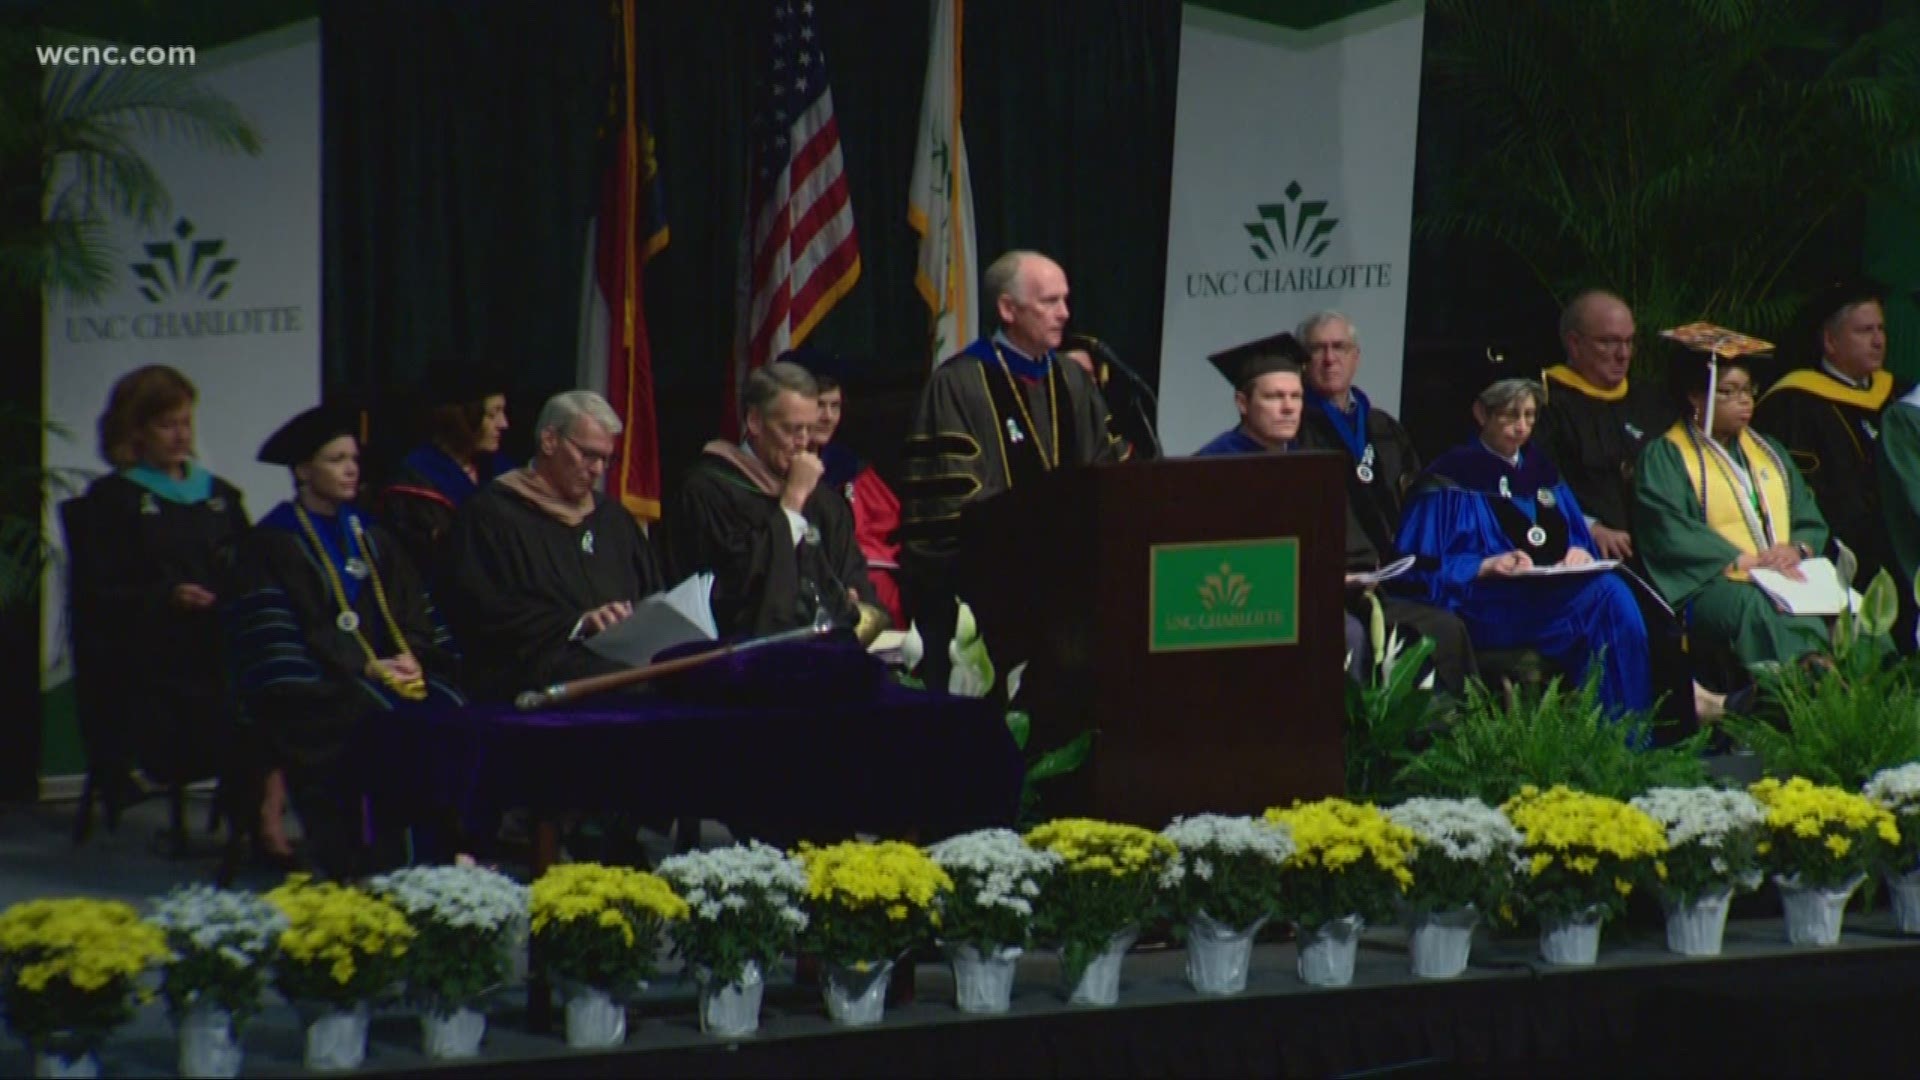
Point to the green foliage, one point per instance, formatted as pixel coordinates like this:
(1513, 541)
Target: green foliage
(448, 968)
(1681, 152)
(1387, 717)
(24, 549)
(83, 133)
(1840, 721)
(1498, 743)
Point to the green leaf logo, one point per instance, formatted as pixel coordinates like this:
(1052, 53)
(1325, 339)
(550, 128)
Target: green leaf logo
(202, 272)
(1293, 226)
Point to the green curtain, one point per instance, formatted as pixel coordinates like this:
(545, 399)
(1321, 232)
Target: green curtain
(461, 154)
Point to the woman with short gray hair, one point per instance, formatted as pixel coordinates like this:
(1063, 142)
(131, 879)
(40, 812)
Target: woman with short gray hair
(1502, 544)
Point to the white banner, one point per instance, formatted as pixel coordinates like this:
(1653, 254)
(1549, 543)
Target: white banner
(1293, 161)
(226, 289)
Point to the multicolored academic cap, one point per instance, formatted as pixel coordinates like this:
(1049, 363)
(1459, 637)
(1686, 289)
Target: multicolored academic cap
(1718, 343)
(302, 437)
(1242, 364)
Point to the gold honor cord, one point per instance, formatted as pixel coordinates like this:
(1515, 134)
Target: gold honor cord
(414, 689)
(1020, 399)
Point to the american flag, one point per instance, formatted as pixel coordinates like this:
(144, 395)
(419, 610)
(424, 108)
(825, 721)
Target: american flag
(799, 251)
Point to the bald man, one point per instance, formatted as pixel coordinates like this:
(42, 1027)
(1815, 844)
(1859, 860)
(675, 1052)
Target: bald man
(1593, 423)
(1004, 411)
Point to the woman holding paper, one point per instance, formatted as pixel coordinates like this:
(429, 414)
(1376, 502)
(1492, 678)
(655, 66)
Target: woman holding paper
(1502, 543)
(1712, 508)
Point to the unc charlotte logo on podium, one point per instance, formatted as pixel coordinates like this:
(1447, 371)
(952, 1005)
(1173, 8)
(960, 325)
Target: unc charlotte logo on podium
(1232, 594)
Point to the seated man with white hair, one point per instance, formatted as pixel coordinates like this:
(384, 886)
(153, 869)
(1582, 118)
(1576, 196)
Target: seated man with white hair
(539, 560)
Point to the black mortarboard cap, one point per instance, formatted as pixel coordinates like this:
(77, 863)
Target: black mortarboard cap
(302, 437)
(1244, 363)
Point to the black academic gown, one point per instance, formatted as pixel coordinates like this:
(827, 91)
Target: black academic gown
(981, 429)
(1595, 440)
(1373, 520)
(301, 678)
(1833, 433)
(723, 524)
(167, 702)
(518, 582)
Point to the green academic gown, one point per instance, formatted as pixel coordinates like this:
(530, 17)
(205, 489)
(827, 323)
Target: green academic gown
(1687, 561)
(1900, 484)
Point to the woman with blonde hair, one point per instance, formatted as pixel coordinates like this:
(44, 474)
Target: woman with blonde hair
(159, 533)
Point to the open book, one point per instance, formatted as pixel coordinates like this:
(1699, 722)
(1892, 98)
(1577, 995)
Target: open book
(1820, 594)
(681, 614)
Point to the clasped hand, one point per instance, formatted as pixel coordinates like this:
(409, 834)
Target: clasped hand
(1784, 558)
(403, 668)
(190, 597)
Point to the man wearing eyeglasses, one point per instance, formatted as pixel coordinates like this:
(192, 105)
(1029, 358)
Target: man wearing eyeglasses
(779, 543)
(539, 560)
(1594, 423)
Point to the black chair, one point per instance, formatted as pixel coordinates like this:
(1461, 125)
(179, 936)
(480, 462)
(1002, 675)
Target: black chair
(103, 702)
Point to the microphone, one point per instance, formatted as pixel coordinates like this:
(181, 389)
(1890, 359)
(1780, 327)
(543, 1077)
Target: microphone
(1104, 353)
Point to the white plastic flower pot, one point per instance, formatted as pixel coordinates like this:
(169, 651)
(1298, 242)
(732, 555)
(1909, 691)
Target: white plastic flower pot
(455, 1035)
(1814, 915)
(208, 1047)
(1697, 927)
(1441, 942)
(1099, 984)
(1573, 941)
(1326, 952)
(337, 1040)
(1219, 955)
(854, 997)
(1905, 890)
(594, 1020)
(56, 1065)
(983, 982)
(732, 1011)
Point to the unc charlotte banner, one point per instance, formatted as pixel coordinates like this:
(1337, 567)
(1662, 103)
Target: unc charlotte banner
(226, 289)
(1292, 190)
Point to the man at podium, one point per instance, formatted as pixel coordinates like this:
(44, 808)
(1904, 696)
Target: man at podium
(1003, 411)
(1269, 394)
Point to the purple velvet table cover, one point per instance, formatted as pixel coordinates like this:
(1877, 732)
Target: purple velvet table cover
(881, 758)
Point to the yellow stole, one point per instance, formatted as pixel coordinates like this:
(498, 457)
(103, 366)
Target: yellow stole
(1726, 502)
(1817, 382)
(1572, 380)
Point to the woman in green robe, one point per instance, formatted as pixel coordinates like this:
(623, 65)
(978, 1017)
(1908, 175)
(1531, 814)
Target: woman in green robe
(1710, 509)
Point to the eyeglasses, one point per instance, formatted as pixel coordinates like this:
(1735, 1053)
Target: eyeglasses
(1728, 393)
(602, 458)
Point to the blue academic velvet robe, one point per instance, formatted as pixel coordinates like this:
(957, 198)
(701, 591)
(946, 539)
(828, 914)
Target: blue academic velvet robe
(1453, 521)
(1234, 441)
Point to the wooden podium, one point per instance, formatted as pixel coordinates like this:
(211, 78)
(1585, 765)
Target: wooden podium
(1188, 610)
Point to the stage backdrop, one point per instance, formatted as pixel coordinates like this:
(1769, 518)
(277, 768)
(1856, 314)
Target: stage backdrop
(1292, 190)
(227, 290)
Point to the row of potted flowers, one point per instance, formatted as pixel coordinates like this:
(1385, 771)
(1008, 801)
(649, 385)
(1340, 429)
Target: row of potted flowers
(447, 935)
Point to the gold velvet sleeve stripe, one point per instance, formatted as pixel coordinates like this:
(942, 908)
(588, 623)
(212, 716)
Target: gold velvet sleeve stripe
(956, 444)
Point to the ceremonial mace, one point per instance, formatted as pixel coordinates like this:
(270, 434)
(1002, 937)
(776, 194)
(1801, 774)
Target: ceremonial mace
(823, 623)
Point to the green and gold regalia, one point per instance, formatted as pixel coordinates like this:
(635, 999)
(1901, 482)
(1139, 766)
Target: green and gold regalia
(1699, 507)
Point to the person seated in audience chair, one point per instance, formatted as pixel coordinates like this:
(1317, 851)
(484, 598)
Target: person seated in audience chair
(161, 533)
(755, 514)
(1716, 499)
(461, 456)
(329, 625)
(1269, 395)
(1483, 516)
(538, 561)
(1381, 463)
